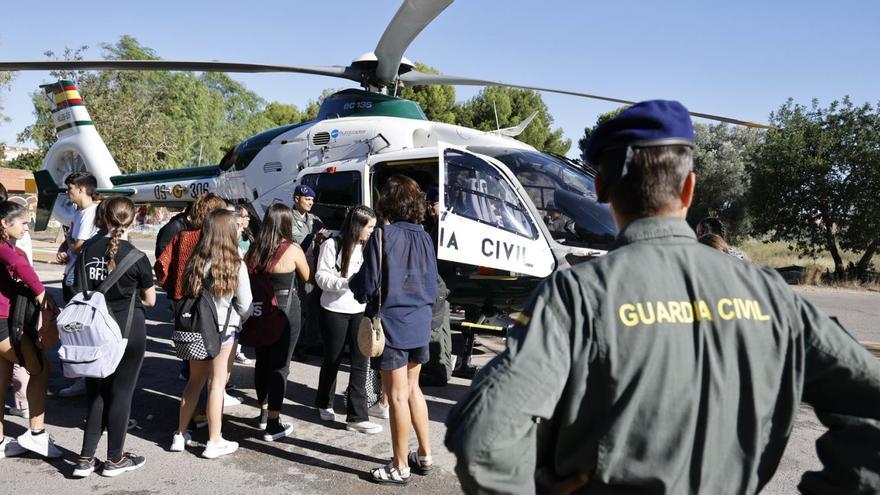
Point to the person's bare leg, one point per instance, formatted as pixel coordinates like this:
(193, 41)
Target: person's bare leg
(398, 392)
(219, 367)
(418, 409)
(198, 375)
(38, 385)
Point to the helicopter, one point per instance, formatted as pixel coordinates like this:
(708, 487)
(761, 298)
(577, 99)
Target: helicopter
(510, 215)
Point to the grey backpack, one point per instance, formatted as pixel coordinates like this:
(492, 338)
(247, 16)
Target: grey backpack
(92, 344)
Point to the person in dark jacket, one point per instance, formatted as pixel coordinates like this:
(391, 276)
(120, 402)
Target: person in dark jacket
(405, 290)
(664, 367)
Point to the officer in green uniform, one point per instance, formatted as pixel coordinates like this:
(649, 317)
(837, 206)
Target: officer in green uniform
(304, 221)
(664, 366)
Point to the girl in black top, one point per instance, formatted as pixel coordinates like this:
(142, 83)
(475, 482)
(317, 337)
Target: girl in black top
(275, 253)
(110, 398)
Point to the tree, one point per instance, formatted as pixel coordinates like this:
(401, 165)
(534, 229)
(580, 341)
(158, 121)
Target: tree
(815, 181)
(513, 106)
(721, 155)
(282, 114)
(588, 131)
(156, 120)
(436, 100)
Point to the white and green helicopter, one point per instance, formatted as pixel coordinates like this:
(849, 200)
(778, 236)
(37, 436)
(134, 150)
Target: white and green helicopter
(510, 214)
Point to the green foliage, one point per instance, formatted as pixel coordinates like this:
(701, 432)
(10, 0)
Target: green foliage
(513, 106)
(437, 101)
(29, 161)
(158, 120)
(815, 181)
(282, 114)
(721, 155)
(588, 131)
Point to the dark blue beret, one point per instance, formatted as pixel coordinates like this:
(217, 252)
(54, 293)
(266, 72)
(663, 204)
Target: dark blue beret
(645, 124)
(304, 190)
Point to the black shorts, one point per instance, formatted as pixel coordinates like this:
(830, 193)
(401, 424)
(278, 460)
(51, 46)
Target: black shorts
(4, 329)
(392, 359)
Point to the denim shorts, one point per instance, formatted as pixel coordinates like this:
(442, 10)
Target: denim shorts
(392, 359)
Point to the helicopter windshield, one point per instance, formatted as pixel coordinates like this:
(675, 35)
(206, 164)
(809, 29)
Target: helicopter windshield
(563, 193)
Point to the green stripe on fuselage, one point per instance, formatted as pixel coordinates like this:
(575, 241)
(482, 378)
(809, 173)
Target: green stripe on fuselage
(167, 175)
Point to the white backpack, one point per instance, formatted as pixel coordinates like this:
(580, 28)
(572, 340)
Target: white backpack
(92, 343)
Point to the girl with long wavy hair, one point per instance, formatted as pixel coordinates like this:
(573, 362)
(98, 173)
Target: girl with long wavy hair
(16, 269)
(275, 253)
(215, 266)
(111, 397)
(405, 270)
(340, 258)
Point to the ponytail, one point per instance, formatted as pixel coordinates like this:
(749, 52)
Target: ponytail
(118, 214)
(115, 236)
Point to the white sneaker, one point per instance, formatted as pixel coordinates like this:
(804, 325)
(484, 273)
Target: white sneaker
(230, 400)
(21, 413)
(240, 358)
(78, 387)
(327, 414)
(363, 427)
(179, 442)
(9, 447)
(41, 444)
(219, 448)
(379, 410)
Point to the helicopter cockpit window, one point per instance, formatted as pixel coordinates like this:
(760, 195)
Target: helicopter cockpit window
(475, 190)
(334, 195)
(563, 193)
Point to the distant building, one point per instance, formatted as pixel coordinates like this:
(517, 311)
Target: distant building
(13, 152)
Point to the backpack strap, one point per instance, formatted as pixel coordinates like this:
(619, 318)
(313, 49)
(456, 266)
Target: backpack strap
(127, 262)
(279, 252)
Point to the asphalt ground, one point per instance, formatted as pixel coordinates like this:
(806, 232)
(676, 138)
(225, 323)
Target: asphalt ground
(318, 457)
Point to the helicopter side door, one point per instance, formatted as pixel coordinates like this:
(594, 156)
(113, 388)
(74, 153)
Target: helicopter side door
(484, 221)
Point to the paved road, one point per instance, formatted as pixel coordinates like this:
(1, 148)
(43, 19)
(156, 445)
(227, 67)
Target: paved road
(318, 458)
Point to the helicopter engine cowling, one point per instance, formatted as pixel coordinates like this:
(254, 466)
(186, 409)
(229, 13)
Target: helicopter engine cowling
(79, 147)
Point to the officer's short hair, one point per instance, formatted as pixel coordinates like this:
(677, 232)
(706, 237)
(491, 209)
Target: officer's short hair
(654, 179)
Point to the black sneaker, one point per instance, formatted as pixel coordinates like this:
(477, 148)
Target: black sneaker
(129, 462)
(276, 430)
(263, 420)
(85, 467)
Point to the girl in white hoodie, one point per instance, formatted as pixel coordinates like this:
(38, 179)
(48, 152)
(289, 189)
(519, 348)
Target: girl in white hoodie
(340, 258)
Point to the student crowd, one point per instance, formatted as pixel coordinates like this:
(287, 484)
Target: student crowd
(256, 288)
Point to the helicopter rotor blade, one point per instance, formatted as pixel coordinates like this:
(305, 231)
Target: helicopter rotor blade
(183, 65)
(411, 18)
(416, 78)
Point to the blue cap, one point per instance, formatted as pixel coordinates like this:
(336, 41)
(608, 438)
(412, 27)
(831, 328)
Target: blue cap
(645, 124)
(304, 190)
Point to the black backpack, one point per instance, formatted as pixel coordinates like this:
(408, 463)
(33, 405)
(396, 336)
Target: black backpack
(196, 336)
(24, 312)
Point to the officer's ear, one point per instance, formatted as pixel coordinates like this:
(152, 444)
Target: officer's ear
(687, 190)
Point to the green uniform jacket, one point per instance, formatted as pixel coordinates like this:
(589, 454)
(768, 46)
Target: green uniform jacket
(668, 367)
(304, 224)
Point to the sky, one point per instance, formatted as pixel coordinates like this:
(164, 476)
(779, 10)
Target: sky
(739, 59)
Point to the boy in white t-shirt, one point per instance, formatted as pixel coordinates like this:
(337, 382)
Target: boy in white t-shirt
(81, 189)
